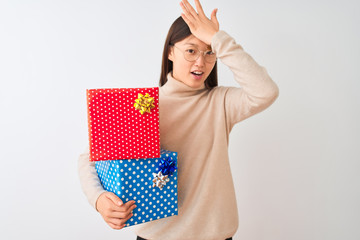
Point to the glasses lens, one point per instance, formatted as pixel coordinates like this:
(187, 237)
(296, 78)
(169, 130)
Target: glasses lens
(192, 54)
(210, 57)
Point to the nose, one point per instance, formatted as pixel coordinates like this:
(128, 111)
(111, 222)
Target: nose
(200, 61)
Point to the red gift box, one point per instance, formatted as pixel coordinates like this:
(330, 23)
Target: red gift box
(123, 123)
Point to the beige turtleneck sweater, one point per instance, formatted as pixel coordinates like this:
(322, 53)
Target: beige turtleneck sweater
(196, 123)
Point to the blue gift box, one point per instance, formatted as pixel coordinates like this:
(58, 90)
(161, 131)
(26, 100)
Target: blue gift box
(151, 182)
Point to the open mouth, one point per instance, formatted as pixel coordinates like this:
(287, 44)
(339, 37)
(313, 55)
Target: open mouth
(196, 73)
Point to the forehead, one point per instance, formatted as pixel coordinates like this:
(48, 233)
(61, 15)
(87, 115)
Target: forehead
(194, 41)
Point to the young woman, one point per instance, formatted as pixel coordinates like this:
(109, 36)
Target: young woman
(196, 118)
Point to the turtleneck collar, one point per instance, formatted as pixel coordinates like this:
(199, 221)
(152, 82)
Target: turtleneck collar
(176, 88)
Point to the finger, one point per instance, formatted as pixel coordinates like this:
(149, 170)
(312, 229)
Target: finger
(119, 221)
(214, 18)
(199, 8)
(187, 21)
(116, 223)
(190, 8)
(115, 199)
(117, 227)
(123, 214)
(125, 207)
(124, 220)
(186, 12)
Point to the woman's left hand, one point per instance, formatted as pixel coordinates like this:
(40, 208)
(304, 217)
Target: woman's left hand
(200, 26)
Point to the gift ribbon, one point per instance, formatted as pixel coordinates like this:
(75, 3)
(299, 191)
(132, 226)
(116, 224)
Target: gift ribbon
(167, 166)
(144, 103)
(160, 180)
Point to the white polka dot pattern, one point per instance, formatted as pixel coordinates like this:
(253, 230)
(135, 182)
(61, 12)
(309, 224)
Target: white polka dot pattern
(117, 130)
(132, 180)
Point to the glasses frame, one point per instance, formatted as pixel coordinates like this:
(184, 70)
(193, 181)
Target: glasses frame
(203, 53)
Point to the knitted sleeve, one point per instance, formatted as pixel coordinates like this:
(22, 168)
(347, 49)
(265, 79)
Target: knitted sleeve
(257, 90)
(89, 179)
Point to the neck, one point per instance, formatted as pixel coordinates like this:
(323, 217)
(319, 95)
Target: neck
(177, 88)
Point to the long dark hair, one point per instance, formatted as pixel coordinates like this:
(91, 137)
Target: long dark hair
(178, 31)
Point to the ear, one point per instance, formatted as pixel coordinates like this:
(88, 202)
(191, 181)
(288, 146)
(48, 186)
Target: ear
(171, 53)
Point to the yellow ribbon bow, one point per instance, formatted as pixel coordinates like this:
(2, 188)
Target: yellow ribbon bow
(144, 103)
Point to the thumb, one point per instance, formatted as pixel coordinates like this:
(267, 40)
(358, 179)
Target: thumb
(115, 199)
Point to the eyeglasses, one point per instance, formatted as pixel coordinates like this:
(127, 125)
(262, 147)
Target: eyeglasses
(191, 54)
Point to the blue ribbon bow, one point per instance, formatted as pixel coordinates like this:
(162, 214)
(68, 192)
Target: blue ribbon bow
(167, 166)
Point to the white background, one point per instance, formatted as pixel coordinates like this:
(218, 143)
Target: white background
(295, 165)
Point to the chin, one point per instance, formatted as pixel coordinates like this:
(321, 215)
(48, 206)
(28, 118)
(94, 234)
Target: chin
(194, 84)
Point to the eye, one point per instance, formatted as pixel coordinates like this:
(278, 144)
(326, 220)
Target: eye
(191, 51)
(210, 53)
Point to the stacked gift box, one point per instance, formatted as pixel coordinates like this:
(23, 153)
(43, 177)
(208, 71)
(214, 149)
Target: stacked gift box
(124, 140)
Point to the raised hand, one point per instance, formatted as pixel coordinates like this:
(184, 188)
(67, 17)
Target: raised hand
(200, 26)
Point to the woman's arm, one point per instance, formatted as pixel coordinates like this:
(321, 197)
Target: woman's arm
(89, 180)
(258, 90)
(114, 212)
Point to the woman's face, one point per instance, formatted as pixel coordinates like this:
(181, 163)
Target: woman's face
(193, 74)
